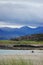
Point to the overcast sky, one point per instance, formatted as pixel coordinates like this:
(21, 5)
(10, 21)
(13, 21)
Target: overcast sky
(16, 13)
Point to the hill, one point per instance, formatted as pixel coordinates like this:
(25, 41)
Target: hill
(33, 37)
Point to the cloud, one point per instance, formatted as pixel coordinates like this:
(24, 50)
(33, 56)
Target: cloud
(21, 12)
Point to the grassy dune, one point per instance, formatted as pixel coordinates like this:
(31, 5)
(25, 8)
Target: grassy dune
(21, 60)
(20, 42)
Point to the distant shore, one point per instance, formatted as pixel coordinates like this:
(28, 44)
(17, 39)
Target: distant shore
(22, 47)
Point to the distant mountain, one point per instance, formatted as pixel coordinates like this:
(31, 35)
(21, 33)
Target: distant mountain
(8, 33)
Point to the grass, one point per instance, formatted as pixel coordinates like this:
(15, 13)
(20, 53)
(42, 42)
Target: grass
(20, 61)
(15, 62)
(20, 42)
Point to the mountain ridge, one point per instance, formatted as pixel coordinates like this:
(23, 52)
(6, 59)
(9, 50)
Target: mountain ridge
(8, 33)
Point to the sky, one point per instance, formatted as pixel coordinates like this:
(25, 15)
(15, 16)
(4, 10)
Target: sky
(17, 13)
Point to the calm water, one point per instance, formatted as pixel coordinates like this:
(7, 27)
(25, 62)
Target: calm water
(20, 52)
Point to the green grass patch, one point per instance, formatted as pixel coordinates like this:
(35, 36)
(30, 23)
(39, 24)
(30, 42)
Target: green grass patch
(20, 42)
